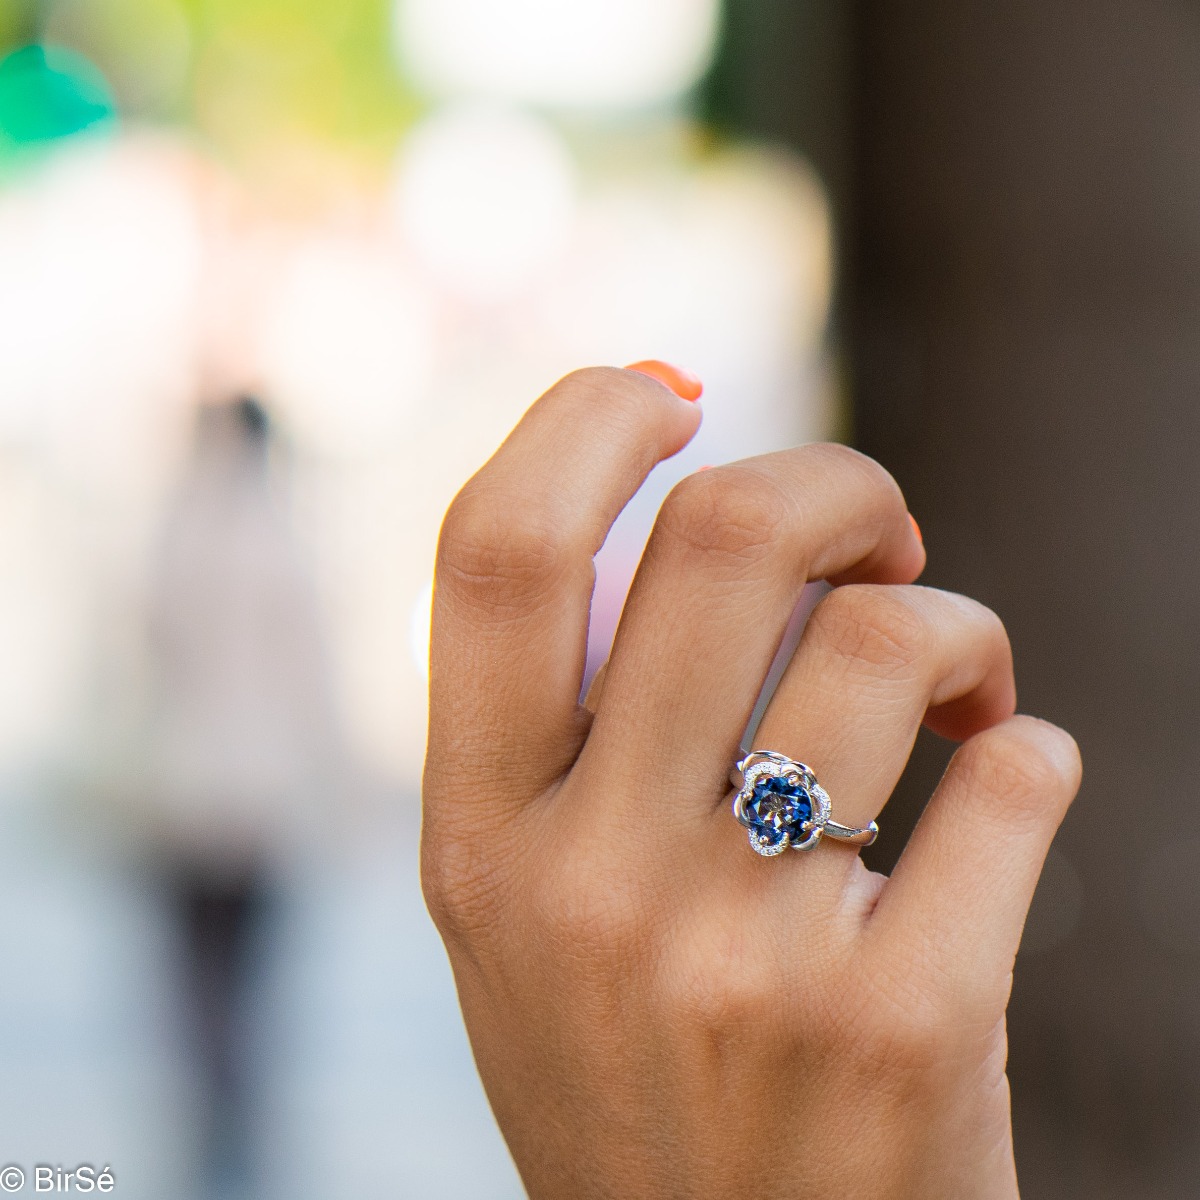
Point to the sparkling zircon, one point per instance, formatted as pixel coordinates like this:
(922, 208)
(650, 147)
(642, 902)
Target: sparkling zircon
(776, 811)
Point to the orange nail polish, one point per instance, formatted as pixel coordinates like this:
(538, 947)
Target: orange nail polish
(683, 383)
(916, 529)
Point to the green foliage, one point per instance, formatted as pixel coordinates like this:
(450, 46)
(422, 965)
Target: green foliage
(240, 71)
(48, 93)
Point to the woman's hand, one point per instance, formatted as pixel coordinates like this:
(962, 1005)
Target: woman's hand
(657, 1011)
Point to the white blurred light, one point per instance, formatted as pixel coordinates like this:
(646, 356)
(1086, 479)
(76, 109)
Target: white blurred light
(727, 270)
(347, 347)
(578, 53)
(485, 197)
(101, 251)
(102, 254)
(45, 590)
(421, 622)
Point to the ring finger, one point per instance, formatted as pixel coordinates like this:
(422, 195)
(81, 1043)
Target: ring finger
(873, 664)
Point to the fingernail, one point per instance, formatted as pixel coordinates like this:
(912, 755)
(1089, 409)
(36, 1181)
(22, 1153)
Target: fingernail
(916, 529)
(683, 383)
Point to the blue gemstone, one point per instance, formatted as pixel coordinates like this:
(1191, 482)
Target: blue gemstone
(778, 807)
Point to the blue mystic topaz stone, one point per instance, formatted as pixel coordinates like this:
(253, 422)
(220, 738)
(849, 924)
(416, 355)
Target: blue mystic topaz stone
(778, 807)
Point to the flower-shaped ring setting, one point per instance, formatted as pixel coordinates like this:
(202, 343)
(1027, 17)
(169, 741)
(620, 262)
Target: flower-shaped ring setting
(783, 807)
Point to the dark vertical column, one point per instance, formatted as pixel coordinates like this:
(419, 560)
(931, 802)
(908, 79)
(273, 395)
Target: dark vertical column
(781, 73)
(1025, 316)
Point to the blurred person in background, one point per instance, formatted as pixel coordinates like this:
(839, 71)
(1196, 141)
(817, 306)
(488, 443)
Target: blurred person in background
(242, 745)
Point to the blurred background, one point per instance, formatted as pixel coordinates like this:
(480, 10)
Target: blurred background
(275, 278)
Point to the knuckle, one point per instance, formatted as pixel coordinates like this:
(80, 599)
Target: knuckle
(1032, 765)
(732, 512)
(850, 462)
(993, 629)
(492, 548)
(461, 891)
(985, 623)
(876, 625)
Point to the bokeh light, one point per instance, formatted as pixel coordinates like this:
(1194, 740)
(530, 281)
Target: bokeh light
(484, 197)
(347, 347)
(597, 54)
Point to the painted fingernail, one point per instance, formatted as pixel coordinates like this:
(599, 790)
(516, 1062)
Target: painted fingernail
(916, 529)
(683, 383)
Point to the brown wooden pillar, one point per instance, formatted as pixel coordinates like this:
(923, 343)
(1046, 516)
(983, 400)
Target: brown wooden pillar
(1024, 315)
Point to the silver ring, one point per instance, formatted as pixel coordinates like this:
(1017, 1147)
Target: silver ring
(784, 807)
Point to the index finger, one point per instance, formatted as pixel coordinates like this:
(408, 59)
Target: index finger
(514, 573)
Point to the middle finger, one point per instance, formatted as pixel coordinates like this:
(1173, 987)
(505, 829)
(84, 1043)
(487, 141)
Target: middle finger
(723, 570)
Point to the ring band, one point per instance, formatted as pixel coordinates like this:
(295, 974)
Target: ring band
(782, 805)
